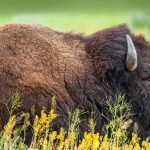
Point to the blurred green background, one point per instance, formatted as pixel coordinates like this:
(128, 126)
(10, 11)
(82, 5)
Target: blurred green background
(78, 15)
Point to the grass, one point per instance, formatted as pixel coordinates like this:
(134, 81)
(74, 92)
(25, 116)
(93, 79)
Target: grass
(17, 6)
(80, 22)
(116, 136)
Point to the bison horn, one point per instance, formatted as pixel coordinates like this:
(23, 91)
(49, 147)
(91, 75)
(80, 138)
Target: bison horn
(131, 59)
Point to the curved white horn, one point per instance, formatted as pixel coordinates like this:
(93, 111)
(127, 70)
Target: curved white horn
(131, 59)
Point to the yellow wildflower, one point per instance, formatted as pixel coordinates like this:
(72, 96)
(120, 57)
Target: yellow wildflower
(36, 125)
(145, 145)
(118, 133)
(126, 147)
(81, 146)
(15, 132)
(130, 146)
(45, 144)
(61, 137)
(137, 147)
(95, 142)
(43, 118)
(104, 146)
(105, 143)
(61, 145)
(51, 117)
(61, 134)
(134, 138)
(41, 141)
(52, 137)
(9, 127)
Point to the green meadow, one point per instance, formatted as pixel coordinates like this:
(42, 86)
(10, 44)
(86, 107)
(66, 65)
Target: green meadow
(78, 16)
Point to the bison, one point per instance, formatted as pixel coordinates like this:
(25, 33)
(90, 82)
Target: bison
(81, 71)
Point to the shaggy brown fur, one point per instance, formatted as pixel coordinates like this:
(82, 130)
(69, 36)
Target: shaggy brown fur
(78, 70)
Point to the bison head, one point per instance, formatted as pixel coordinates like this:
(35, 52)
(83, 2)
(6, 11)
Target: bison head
(121, 64)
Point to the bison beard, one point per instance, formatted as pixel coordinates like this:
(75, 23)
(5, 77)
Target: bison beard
(79, 70)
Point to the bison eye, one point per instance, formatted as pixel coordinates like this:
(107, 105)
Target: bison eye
(146, 73)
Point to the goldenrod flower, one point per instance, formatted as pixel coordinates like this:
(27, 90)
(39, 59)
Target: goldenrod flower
(36, 125)
(9, 127)
(104, 146)
(45, 144)
(146, 145)
(137, 147)
(43, 118)
(134, 138)
(50, 118)
(95, 142)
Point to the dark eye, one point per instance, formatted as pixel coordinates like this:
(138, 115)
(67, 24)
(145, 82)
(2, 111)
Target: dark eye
(146, 72)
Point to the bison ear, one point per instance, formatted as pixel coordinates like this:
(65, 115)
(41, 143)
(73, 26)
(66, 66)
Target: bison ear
(112, 50)
(112, 56)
